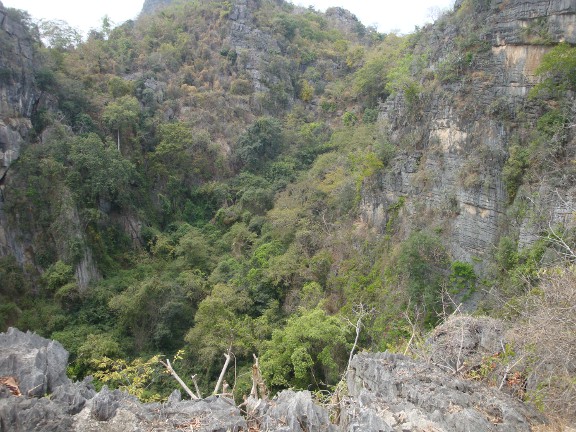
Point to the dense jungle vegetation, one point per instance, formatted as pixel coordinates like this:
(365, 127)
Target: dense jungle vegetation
(224, 217)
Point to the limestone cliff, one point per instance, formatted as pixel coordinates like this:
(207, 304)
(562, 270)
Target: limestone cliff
(17, 98)
(454, 138)
(17, 90)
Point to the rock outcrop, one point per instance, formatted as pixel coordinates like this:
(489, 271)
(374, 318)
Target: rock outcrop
(454, 139)
(386, 392)
(150, 6)
(17, 99)
(535, 21)
(294, 412)
(392, 392)
(39, 365)
(17, 90)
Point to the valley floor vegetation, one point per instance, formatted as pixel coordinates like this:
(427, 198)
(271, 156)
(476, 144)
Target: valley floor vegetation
(219, 218)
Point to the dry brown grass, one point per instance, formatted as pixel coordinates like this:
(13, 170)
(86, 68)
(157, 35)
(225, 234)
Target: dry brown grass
(545, 334)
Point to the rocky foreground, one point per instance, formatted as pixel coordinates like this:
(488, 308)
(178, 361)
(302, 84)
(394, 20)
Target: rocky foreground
(386, 392)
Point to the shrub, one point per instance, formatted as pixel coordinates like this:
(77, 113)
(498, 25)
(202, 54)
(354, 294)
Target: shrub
(514, 169)
(349, 119)
(462, 277)
(370, 115)
(558, 69)
(422, 264)
(241, 87)
(260, 143)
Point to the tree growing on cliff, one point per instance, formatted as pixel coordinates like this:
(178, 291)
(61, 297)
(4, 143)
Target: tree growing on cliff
(260, 143)
(558, 70)
(121, 115)
(423, 266)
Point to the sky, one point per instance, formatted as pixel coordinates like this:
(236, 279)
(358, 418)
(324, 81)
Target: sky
(387, 15)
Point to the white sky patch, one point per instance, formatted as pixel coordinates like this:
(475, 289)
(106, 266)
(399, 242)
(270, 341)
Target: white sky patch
(386, 15)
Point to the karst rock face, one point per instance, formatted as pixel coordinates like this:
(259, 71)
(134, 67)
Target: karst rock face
(17, 91)
(38, 364)
(455, 139)
(396, 393)
(18, 97)
(386, 392)
(21, 99)
(150, 6)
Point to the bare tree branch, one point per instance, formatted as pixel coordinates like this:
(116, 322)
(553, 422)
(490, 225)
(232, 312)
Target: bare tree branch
(170, 369)
(228, 357)
(361, 312)
(196, 386)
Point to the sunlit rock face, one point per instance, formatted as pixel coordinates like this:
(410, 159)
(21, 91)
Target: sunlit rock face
(454, 140)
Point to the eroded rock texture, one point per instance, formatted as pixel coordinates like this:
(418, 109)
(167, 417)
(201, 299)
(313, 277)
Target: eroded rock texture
(392, 392)
(152, 5)
(386, 392)
(39, 365)
(17, 90)
(454, 139)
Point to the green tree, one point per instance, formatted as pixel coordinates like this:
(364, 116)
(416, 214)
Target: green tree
(260, 143)
(98, 172)
(220, 324)
(312, 348)
(424, 265)
(558, 70)
(183, 154)
(59, 34)
(157, 312)
(122, 114)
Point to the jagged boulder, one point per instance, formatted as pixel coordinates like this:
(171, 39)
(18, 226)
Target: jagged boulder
(37, 364)
(115, 411)
(391, 392)
(295, 412)
(22, 414)
(73, 397)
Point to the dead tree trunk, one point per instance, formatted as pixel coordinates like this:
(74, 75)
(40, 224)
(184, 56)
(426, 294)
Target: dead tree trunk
(228, 356)
(170, 369)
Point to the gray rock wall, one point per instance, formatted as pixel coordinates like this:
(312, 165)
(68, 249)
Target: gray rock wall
(17, 90)
(535, 21)
(17, 98)
(453, 143)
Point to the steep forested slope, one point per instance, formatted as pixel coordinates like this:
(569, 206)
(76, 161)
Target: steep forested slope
(253, 176)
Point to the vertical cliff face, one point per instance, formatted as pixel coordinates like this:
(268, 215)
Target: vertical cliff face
(17, 91)
(454, 138)
(17, 99)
